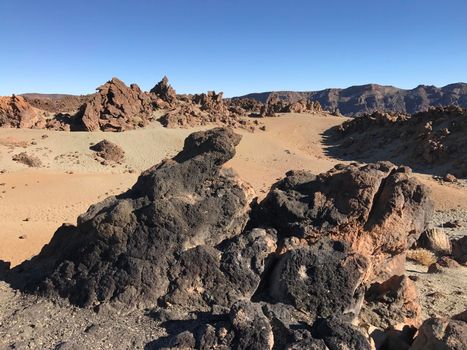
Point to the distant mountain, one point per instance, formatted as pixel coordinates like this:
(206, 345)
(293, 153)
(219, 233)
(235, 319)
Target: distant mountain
(357, 100)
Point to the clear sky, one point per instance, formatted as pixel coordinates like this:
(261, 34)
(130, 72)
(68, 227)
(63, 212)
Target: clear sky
(235, 46)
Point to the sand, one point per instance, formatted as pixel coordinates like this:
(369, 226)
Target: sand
(36, 201)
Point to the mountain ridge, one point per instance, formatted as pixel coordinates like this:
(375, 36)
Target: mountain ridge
(360, 99)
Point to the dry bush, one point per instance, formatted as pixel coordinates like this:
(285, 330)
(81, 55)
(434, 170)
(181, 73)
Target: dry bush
(421, 256)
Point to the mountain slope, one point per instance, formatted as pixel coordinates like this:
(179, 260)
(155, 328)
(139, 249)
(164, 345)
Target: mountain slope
(371, 97)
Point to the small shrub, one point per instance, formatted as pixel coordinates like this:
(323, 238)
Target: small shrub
(421, 256)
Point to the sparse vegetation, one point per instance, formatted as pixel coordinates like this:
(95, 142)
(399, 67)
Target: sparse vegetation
(421, 256)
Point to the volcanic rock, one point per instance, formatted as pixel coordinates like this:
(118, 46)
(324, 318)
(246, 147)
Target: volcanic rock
(392, 304)
(56, 103)
(434, 140)
(379, 209)
(16, 112)
(441, 333)
(116, 107)
(436, 241)
(27, 159)
(322, 280)
(165, 92)
(109, 151)
(459, 250)
(125, 250)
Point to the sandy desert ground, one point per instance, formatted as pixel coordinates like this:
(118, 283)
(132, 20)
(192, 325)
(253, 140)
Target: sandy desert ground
(35, 201)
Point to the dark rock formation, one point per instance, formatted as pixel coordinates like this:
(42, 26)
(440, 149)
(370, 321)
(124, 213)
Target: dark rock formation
(357, 100)
(178, 244)
(16, 112)
(108, 151)
(321, 280)
(433, 141)
(128, 249)
(379, 209)
(116, 107)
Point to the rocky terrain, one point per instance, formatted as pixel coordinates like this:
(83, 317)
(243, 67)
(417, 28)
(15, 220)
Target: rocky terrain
(118, 107)
(56, 103)
(357, 100)
(195, 262)
(434, 141)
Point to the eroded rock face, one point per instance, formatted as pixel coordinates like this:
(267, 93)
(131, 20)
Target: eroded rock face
(379, 209)
(16, 112)
(164, 93)
(129, 249)
(116, 107)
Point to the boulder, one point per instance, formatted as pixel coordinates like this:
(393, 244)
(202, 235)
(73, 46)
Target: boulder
(108, 151)
(435, 240)
(379, 209)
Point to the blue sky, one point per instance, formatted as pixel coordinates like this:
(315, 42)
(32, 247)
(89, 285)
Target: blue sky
(234, 46)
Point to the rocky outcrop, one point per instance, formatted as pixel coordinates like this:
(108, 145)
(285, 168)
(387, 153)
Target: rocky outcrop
(128, 250)
(379, 209)
(182, 111)
(276, 105)
(16, 112)
(184, 244)
(116, 107)
(108, 151)
(433, 141)
(358, 100)
(164, 94)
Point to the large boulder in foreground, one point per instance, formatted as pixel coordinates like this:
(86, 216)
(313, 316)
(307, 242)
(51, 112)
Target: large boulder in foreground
(379, 209)
(116, 107)
(16, 112)
(134, 248)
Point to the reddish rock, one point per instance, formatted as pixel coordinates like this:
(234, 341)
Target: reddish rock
(16, 112)
(116, 107)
